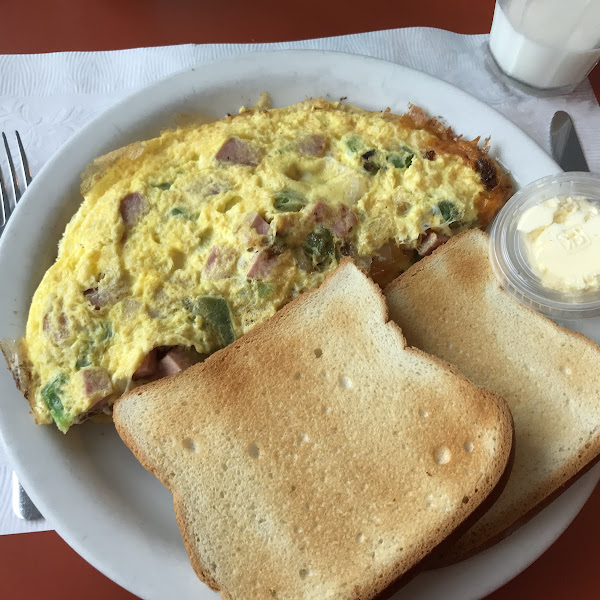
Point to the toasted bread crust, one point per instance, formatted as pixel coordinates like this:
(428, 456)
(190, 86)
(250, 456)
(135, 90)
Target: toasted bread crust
(206, 404)
(435, 559)
(529, 359)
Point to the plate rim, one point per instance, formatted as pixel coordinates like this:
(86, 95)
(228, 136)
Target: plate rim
(62, 528)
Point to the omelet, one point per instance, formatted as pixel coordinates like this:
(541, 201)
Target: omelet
(185, 242)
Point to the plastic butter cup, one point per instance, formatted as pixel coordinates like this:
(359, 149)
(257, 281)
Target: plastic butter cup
(511, 261)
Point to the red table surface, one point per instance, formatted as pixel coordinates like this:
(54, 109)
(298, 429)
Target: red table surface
(41, 565)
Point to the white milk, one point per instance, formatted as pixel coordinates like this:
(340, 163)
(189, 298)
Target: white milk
(548, 44)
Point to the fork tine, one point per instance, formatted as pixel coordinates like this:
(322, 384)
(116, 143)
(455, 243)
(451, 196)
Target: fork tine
(15, 181)
(24, 160)
(4, 205)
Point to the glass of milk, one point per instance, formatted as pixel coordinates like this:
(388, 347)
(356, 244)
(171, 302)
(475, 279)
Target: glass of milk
(546, 44)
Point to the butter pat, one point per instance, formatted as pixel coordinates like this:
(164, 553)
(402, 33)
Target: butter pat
(562, 237)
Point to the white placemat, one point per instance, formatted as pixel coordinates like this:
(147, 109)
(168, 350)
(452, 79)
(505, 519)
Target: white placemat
(47, 97)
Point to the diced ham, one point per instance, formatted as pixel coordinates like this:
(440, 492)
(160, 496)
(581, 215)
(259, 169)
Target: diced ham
(312, 145)
(132, 208)
(220, 263)
(320, 212)
(430, 242)
(212, 258)
(99, 407)
(262, 265)
(56, 327)
(178, 359)
(258, 223)
(239, 152)
(112, 291)
(96, 383)
(102, 406)
(96, 299)
(345, 222)
(148, 367)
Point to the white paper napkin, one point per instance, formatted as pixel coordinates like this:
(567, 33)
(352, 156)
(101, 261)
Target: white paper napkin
(48, 97)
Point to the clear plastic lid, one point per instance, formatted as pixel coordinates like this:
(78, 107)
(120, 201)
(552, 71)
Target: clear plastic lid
(510, 259)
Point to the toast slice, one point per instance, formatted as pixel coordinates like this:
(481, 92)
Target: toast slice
(318, 457)
(451, 305)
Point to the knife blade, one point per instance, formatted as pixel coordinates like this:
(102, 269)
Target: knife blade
(566, 147)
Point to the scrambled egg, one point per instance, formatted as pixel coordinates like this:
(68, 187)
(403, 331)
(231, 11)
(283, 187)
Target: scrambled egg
(188, 240)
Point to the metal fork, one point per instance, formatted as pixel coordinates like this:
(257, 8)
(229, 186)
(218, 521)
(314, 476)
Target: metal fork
(22, 505)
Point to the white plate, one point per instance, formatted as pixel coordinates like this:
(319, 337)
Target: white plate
(101, 501)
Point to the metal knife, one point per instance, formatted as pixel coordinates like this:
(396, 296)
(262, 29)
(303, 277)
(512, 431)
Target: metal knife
(22, 505)
(566, 147)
